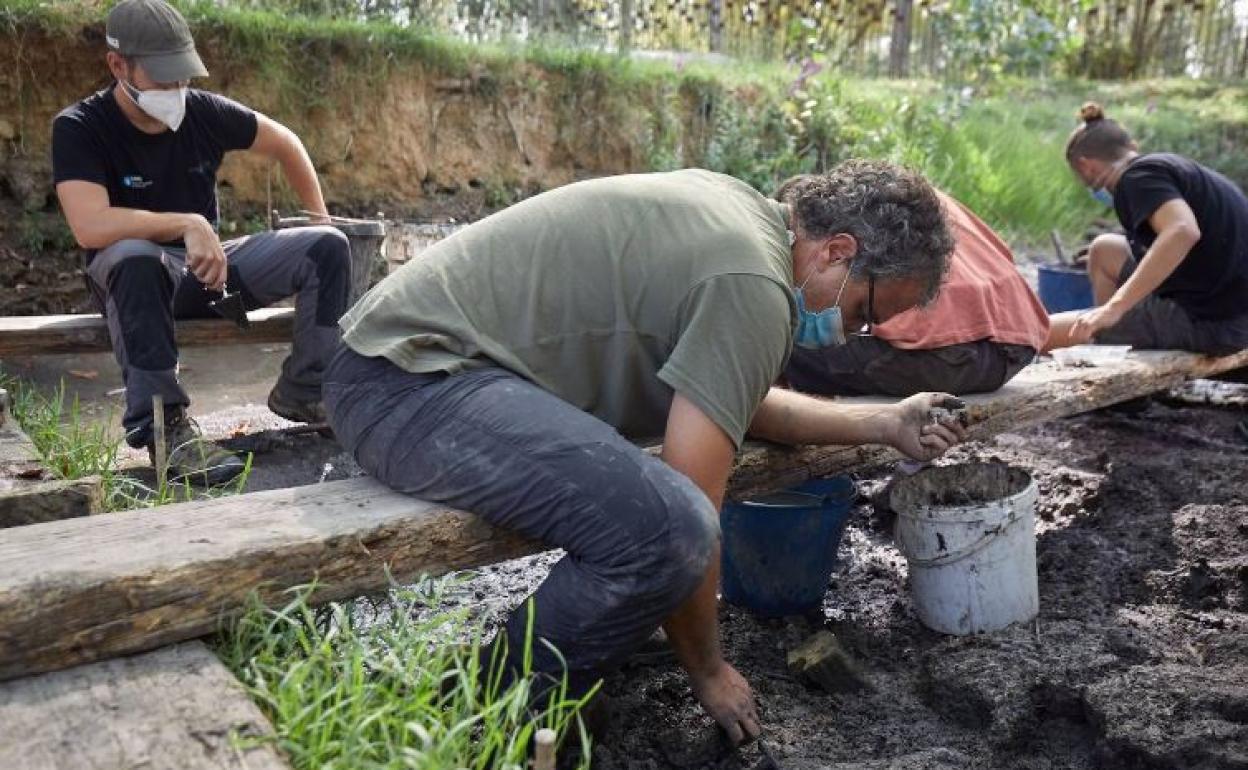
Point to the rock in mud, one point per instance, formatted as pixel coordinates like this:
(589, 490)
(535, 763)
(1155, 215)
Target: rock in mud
(822, 661)
(1172, 716)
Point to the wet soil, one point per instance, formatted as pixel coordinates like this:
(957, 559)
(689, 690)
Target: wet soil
(1139, 658)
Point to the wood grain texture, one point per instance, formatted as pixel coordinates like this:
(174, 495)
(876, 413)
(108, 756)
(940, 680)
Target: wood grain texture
(81, 590)
(25, 503)
(42, 335)
(84, 589)
(178, 707)
(28, 494)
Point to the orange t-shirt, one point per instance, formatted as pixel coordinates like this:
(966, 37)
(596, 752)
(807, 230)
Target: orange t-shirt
(983, 296)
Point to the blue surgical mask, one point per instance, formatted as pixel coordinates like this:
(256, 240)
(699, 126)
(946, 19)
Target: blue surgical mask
(824, 329)
(1100, 193)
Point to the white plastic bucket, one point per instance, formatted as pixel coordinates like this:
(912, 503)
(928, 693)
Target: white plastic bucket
(968, 533)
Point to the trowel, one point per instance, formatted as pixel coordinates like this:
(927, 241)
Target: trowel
(230, 306)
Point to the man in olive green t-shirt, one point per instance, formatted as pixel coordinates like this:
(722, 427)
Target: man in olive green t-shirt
(505, 371)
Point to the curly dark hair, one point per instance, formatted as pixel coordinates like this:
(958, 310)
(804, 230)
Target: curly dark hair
(894, 214)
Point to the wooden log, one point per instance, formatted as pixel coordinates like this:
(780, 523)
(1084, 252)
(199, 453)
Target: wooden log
(36, 502)
(175, 707)
(85, 589)
(1040, 392)
(42, 335)
(81, 590)
(28, 495)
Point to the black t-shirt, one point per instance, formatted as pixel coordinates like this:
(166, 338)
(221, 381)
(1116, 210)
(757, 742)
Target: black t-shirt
(173, 171)
(1212, 282)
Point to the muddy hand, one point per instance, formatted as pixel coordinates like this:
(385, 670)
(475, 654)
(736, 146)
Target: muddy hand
(726, 696)
(928, 424)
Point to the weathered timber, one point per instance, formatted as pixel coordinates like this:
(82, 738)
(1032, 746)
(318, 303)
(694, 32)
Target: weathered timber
(175, 707)
(28, 495)
(25, 503)
(81, 590)
(42, 335)
(1040, 392)
(85, 589)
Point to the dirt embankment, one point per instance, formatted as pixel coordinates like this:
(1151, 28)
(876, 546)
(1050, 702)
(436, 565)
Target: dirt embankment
(402, 133)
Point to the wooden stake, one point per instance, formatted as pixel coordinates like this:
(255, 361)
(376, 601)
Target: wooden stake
(544, 754)
(158, 432)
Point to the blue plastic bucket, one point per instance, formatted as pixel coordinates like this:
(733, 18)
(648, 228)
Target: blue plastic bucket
(1064, 288)
(779, 549)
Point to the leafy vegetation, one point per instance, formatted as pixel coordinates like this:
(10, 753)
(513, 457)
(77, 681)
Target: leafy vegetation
(390, 684)
(71, 446)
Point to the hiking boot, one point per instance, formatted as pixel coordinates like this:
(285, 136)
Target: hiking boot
(283, 404)
(191, 457)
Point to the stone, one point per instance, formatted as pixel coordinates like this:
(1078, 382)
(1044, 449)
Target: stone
(820, 660)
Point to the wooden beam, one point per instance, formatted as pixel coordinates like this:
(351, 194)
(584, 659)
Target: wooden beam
(134, 581)
(42, 335)
(28, 494)
(175, 707)
(25, 503)
(1039, 393)
(84, 589)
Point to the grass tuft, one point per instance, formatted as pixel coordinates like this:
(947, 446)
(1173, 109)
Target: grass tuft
(71, 447)
(388, 684)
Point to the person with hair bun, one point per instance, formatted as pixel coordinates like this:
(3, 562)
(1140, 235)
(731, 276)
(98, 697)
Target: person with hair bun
(1178, 278)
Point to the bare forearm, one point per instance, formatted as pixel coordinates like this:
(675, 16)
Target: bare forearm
(1167, 252)
(104, 228)
(789, 417)
(301, 174)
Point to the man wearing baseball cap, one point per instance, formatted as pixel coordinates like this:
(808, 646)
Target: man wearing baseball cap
(135, 169)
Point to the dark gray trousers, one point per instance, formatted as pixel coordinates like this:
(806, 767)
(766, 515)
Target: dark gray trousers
(143, 287)
(638, 534)
(868, 366)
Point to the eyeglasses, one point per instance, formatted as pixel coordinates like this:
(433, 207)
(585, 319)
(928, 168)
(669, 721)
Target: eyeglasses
(870, 308)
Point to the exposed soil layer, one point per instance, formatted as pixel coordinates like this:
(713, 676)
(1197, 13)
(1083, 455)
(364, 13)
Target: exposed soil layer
(1139, 658)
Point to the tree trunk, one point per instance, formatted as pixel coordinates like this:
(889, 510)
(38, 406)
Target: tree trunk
(626, 26)
(716, 10)
(899, 48)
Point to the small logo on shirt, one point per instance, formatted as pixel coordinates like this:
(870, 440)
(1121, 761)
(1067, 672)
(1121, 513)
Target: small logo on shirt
(135, 182)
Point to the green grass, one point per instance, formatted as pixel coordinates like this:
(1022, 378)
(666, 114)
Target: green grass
(71, 447)
(390, 684)
(998, 148)
(365, 684)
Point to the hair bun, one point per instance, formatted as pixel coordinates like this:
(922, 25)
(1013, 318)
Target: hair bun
(1091, 112)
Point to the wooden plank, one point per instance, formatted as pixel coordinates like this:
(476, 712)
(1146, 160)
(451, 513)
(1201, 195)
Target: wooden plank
(23, 503)
(84, 589)
(42, 335)
(1040, 392)
(28, 495)
(175, 707)
(81, 590)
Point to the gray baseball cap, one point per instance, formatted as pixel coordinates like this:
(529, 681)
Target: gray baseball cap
(156, 35)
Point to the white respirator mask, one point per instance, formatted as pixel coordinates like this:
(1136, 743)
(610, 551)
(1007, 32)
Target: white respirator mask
(166, 105)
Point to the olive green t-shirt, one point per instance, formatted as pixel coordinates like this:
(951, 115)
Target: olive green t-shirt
(610, 293)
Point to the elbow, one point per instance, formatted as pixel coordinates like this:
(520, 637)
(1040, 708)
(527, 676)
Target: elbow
(1187, 233)
(88, 240)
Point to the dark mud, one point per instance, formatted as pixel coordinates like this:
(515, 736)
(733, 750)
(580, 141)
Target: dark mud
(1139, 658)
